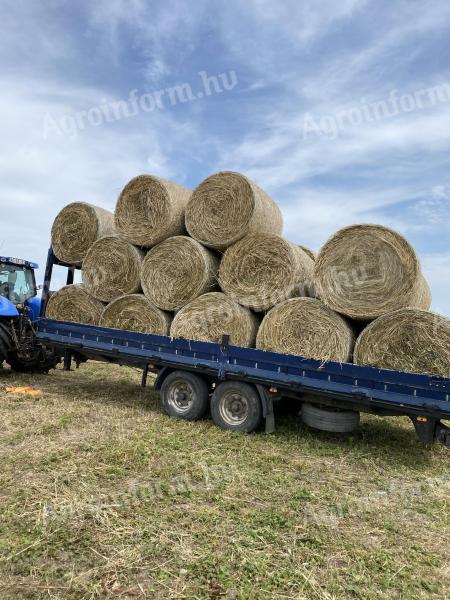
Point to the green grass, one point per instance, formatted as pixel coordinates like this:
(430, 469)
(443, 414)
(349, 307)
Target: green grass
(103, 496)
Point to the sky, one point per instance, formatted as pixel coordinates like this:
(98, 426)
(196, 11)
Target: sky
(339, 110)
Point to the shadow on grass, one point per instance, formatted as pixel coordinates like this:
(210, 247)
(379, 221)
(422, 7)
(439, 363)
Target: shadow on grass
(384, 439)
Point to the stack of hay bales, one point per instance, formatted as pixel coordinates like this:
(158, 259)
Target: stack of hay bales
(372, 275)
(211, 262)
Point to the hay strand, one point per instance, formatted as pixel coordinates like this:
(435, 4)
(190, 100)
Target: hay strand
(312, 255)
(212, 315)
(74, 303)
(112, 268)
(150, 209)
(408, 340)
(306, 327)
(135, 312)
(76, 227)
(227, 206)
(364, 271)
(262, 270)
(176, 271)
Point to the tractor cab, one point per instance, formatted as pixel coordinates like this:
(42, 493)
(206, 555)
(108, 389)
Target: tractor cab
(18, 288)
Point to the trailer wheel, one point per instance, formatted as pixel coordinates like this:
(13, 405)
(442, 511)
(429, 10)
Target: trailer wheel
(236, 406)
(184, 395)
(329, 419)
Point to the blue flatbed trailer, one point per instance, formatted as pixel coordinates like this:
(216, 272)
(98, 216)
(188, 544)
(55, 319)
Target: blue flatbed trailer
(250, 377)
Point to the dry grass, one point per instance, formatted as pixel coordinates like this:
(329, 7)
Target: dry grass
(135, 312)
(227, 206)
(76, 227)
(408, 340)
(364, 271)
(306, 327)
(74, 303)
(177, 271)
(105, 497)
(112, 268)
(150, 209)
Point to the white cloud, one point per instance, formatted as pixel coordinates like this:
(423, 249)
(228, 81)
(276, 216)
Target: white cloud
(436, 268)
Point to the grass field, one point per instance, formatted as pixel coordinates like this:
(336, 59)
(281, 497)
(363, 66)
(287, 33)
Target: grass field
(103, 496)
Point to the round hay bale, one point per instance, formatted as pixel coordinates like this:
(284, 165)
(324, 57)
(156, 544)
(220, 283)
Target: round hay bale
(227, 206)
(262, 270)
(212, 315)
(364, 271)
(312, 255)
(112, 268)
(76, 227)
(306, 327)
(150, 209)
(178, 270)
(74, 303)
(408, 340)
(135, 312)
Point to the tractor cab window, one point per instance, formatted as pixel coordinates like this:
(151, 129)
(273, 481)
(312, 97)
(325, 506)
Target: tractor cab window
(17, 283)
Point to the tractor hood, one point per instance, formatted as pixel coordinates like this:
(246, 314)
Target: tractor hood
(7, 308)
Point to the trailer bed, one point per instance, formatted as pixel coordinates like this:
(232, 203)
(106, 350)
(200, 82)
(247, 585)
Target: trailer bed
(425, 398)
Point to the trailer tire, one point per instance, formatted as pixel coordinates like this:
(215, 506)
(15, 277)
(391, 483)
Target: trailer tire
(184, 396)
(236, 406)
(329, 419)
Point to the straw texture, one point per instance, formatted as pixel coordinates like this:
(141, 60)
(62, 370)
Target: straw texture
(178, 270)
(76, 227)
(227, 206)
(112, 268)
(312, 255)
(364, 271)
(263, 269)
(134, 312)
(209, 317)
(150, 209)
(306, 327)
(74, 303)
(408, 340)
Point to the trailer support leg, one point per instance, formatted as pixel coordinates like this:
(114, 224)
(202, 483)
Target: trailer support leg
(430, 430)
(67, 360)
(144, 376)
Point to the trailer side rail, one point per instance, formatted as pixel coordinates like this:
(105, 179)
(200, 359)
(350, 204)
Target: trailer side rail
(407, 393)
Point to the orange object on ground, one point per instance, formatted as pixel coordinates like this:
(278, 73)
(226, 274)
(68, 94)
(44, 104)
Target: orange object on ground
(24, 390)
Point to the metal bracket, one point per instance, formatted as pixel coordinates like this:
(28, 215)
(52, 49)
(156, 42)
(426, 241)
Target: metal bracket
(223, 356)
(430, 430)
(267, 406)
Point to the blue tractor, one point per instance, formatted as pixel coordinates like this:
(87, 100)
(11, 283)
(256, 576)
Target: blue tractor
(19, 311)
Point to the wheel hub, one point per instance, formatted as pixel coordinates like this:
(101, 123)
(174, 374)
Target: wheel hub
(181, 396)
(233, 408)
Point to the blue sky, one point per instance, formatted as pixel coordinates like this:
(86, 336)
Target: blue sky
(298, 68)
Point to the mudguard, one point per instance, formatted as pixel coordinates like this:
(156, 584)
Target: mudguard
(34, 305)
(7, 308)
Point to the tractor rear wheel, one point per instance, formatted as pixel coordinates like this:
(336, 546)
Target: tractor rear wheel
(5, 342)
